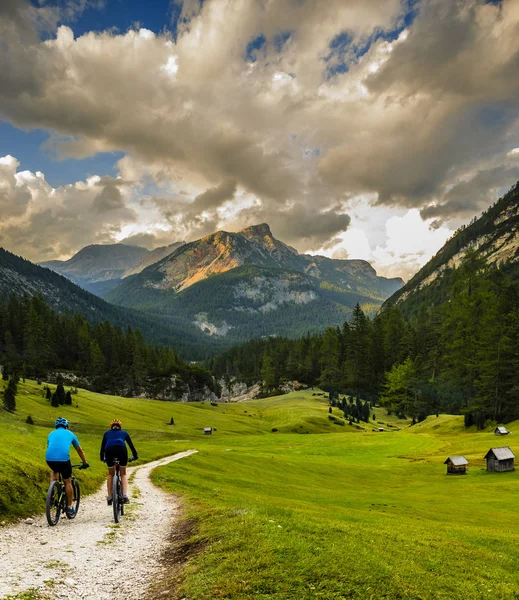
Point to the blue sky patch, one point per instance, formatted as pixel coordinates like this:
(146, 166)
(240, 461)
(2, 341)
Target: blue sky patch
(255, 46)
(155, 15)
(26, 148)
(343, 52)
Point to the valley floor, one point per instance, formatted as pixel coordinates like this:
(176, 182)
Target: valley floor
(282, 502)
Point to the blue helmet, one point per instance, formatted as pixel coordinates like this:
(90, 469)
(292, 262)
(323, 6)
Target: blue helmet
(61, 422)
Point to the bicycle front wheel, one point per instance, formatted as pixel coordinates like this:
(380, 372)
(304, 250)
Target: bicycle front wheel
(53, 503)
(116, 495)
(76, 498)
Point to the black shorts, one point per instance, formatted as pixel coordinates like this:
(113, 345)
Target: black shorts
(113, 452)
(63, 467)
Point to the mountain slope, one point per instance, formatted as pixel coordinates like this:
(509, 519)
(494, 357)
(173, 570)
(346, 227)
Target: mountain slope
(19, 276)
(247, 284)
(495, 238)
(151, 258)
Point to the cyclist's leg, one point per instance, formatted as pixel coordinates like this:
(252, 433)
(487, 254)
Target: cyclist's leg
(66, 473)
(110, 481)
(69, 491)
(54, 475)
(124, 480)
(110, 461)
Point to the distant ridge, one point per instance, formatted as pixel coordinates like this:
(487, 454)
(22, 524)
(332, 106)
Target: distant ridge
(100, 267)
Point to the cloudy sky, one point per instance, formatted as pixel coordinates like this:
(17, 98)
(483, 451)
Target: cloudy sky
(355, 128)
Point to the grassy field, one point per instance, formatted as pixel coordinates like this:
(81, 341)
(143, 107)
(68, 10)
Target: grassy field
(371, 515)
(24, 474)
(335, 512)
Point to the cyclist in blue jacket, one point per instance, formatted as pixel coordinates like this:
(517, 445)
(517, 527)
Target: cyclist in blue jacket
(113, 447)
(58, 457)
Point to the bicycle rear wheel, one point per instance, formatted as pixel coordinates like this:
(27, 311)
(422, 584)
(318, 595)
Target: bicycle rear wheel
(75, 499)
(116, 494)
(53, 503)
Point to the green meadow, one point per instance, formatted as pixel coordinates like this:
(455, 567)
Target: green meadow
(318, 509)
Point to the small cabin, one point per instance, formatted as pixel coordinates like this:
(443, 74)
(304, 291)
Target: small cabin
(456, 465)
(500, 459)
(208, 430)
(501, 430)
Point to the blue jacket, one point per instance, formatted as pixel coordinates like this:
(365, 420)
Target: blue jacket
(116, 437)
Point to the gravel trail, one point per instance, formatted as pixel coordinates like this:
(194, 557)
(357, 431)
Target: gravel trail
(91, 557)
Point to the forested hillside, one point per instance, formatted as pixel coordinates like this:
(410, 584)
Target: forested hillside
(460, 355)
(20, 277)
(36, 340)
(495, 238)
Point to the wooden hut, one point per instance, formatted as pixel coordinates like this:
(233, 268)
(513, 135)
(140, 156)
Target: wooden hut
(500, 459)
(208, 430)
(501, 430)
(456, 465)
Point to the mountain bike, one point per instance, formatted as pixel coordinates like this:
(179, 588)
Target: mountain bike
(117, 491)
(57, 499)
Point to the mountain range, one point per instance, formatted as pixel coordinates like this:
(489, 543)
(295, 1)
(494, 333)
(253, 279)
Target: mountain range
(204, 296)
(231, 285)
(248, 284)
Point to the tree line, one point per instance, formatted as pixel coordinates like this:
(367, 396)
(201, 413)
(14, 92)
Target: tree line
(35, 340)
(457, 352)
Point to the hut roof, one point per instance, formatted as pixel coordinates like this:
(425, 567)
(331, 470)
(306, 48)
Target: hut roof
(457, 461)
(501, 429)
(504, 453)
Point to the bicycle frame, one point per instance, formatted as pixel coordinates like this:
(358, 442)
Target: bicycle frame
(59, 505)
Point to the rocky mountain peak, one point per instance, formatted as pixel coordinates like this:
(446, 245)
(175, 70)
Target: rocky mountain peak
(255, 231)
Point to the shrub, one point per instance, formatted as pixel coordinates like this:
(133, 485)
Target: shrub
(172, 421)
(29, 420)
(274, 429)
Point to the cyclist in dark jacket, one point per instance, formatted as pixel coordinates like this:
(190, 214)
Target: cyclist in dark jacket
(113, 447)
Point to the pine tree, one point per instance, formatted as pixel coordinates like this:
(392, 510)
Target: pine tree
(268, 372)
(10, 395)
(60, 393)
(68, 398)
(48, 393)
(54, 402)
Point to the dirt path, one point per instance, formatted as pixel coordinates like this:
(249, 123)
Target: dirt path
(91, 557)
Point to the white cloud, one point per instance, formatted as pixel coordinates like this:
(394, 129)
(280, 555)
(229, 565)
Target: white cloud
(409, 243)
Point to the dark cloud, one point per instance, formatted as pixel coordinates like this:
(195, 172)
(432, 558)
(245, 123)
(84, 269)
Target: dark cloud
(108, 199)
(468, 198)
(214, 197)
